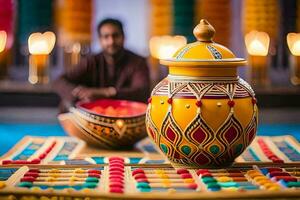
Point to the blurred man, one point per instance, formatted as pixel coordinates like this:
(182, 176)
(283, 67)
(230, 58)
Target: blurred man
(113, 73)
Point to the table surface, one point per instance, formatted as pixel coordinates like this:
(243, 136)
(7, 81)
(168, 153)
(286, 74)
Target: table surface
(11, 133)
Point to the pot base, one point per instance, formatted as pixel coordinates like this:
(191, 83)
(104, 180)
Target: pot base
(190, 166)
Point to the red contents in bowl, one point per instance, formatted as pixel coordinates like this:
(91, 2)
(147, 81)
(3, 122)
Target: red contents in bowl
(114, 108)
(111, 111)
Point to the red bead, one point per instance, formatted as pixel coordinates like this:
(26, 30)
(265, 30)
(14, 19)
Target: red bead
(116, 176)
(142, 180)
(116, 180)
(274, 169)
(28, 179)
(202, 171)
(137, 171)
(48, 150)
(206, 175)
(20, 162)
(184, 176)
(170, 100)
(116, 190)
(42, 156)
(140, 176)
(230, 103)
(34, 170)
(285, 178)
(116, 184)
(192, 186)
(199, 103)
(116, 173)
(182, 171)
(272, 174)
(94, 175)
(254, 101)
(116, 168)
(53, 144)
(35, 161)
(150, 100)
(94, 171)
(115, 158)
(6, 162)
(33, 174)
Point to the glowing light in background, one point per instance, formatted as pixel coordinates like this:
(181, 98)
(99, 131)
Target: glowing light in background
(293, 41)
(41, 44)
(164, 47)
(3, 38)
(257, 43)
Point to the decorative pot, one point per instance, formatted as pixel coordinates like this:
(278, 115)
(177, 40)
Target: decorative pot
(202, 114)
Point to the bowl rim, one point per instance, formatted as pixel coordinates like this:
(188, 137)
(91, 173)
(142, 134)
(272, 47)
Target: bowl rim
(79, 106)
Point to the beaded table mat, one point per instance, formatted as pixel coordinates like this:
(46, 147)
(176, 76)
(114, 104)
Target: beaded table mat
(41, 167)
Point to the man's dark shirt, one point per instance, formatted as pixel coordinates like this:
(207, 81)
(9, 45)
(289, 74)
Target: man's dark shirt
(129, 76)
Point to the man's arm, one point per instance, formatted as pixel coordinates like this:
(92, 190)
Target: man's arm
(139, 89)
(68, 81)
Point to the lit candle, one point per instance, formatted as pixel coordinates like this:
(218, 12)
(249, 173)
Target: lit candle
(72, 55)
(257, 44)
(163, 47)
(3, 55)
(40, 46)
(293, 41)
(3, 37)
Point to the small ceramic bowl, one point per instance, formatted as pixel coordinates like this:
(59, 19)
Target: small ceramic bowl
(107, 123)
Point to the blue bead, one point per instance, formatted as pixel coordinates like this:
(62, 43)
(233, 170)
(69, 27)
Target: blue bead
(144, 189)
(250, 187)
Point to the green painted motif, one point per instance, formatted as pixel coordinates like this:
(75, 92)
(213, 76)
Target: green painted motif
(238, 148)
(164, 148)
(214, 149)
(186, 149)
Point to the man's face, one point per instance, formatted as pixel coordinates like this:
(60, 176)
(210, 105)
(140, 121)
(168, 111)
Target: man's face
(111, 39)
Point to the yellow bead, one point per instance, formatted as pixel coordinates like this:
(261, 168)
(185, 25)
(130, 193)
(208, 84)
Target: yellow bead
(73, 178)
(35, 189)
(258, 178)
(231, 189)
(163, 176)
(79, 171)
(51, 179)
(188, 180)
(165, 181)
(274, 188)
(54, 175)
(2, 184)
(86, 190)
(253, 175)
(263, 182)
(54, 171)
(167, 184)
(224, 179)
(270, 184)
(171, 190)
(159, 171)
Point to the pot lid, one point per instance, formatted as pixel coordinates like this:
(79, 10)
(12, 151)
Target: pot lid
(204, 51)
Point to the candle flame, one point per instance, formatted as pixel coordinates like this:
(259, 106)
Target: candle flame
(257, 43)
(3, 38)
(293, 41)
(164, 47)
(41, 44)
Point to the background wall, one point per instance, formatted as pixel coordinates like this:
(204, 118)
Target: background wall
(133, 14)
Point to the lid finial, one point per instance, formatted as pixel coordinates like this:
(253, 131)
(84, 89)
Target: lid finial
(204, 32)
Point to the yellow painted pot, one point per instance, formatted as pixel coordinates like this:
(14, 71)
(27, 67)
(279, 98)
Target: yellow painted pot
(202, 114)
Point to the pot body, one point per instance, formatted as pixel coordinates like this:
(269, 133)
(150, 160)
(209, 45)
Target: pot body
(202, 121)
